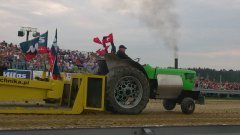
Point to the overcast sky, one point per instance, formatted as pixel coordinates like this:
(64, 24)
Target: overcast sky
(208, 32)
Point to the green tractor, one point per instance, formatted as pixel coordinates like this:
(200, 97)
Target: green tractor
(131, 85)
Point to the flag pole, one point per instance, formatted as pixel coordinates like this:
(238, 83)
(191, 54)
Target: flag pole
(27, 37)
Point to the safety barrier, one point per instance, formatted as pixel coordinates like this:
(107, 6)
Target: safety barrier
(213, 91)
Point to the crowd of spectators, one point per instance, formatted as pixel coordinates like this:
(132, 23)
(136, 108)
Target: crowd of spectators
(11, 55)
(73, 61)
(208, 84)
(70, 61)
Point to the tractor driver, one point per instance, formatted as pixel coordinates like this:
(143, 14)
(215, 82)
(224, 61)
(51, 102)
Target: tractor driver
(121, 52)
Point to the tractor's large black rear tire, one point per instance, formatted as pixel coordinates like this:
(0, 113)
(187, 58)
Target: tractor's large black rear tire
(127, 90)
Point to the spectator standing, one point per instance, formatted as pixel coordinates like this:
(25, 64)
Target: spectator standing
(3, 67)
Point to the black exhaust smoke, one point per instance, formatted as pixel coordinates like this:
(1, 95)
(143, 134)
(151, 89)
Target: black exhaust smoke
(176, 63)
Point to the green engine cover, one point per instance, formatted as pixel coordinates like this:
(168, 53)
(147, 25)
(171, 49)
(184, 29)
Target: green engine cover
(188, 76)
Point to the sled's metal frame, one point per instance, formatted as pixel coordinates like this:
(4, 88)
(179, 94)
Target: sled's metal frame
(24, 90)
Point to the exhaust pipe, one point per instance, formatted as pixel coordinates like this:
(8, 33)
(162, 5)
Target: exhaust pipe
(176, 63)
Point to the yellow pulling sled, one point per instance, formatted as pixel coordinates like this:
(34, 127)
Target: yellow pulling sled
(53, 96)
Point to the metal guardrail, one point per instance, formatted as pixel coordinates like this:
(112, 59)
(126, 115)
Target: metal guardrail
(213, 91)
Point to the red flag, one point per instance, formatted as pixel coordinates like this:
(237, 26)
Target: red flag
(102, 52)
(50, 59)
(107, 39)
(97, 40)
(54, 53)
(110, 37)
(53, 59)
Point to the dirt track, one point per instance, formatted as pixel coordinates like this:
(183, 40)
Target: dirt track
(214, 112)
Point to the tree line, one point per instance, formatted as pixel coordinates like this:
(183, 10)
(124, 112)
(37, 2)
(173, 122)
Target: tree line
(218, 75)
